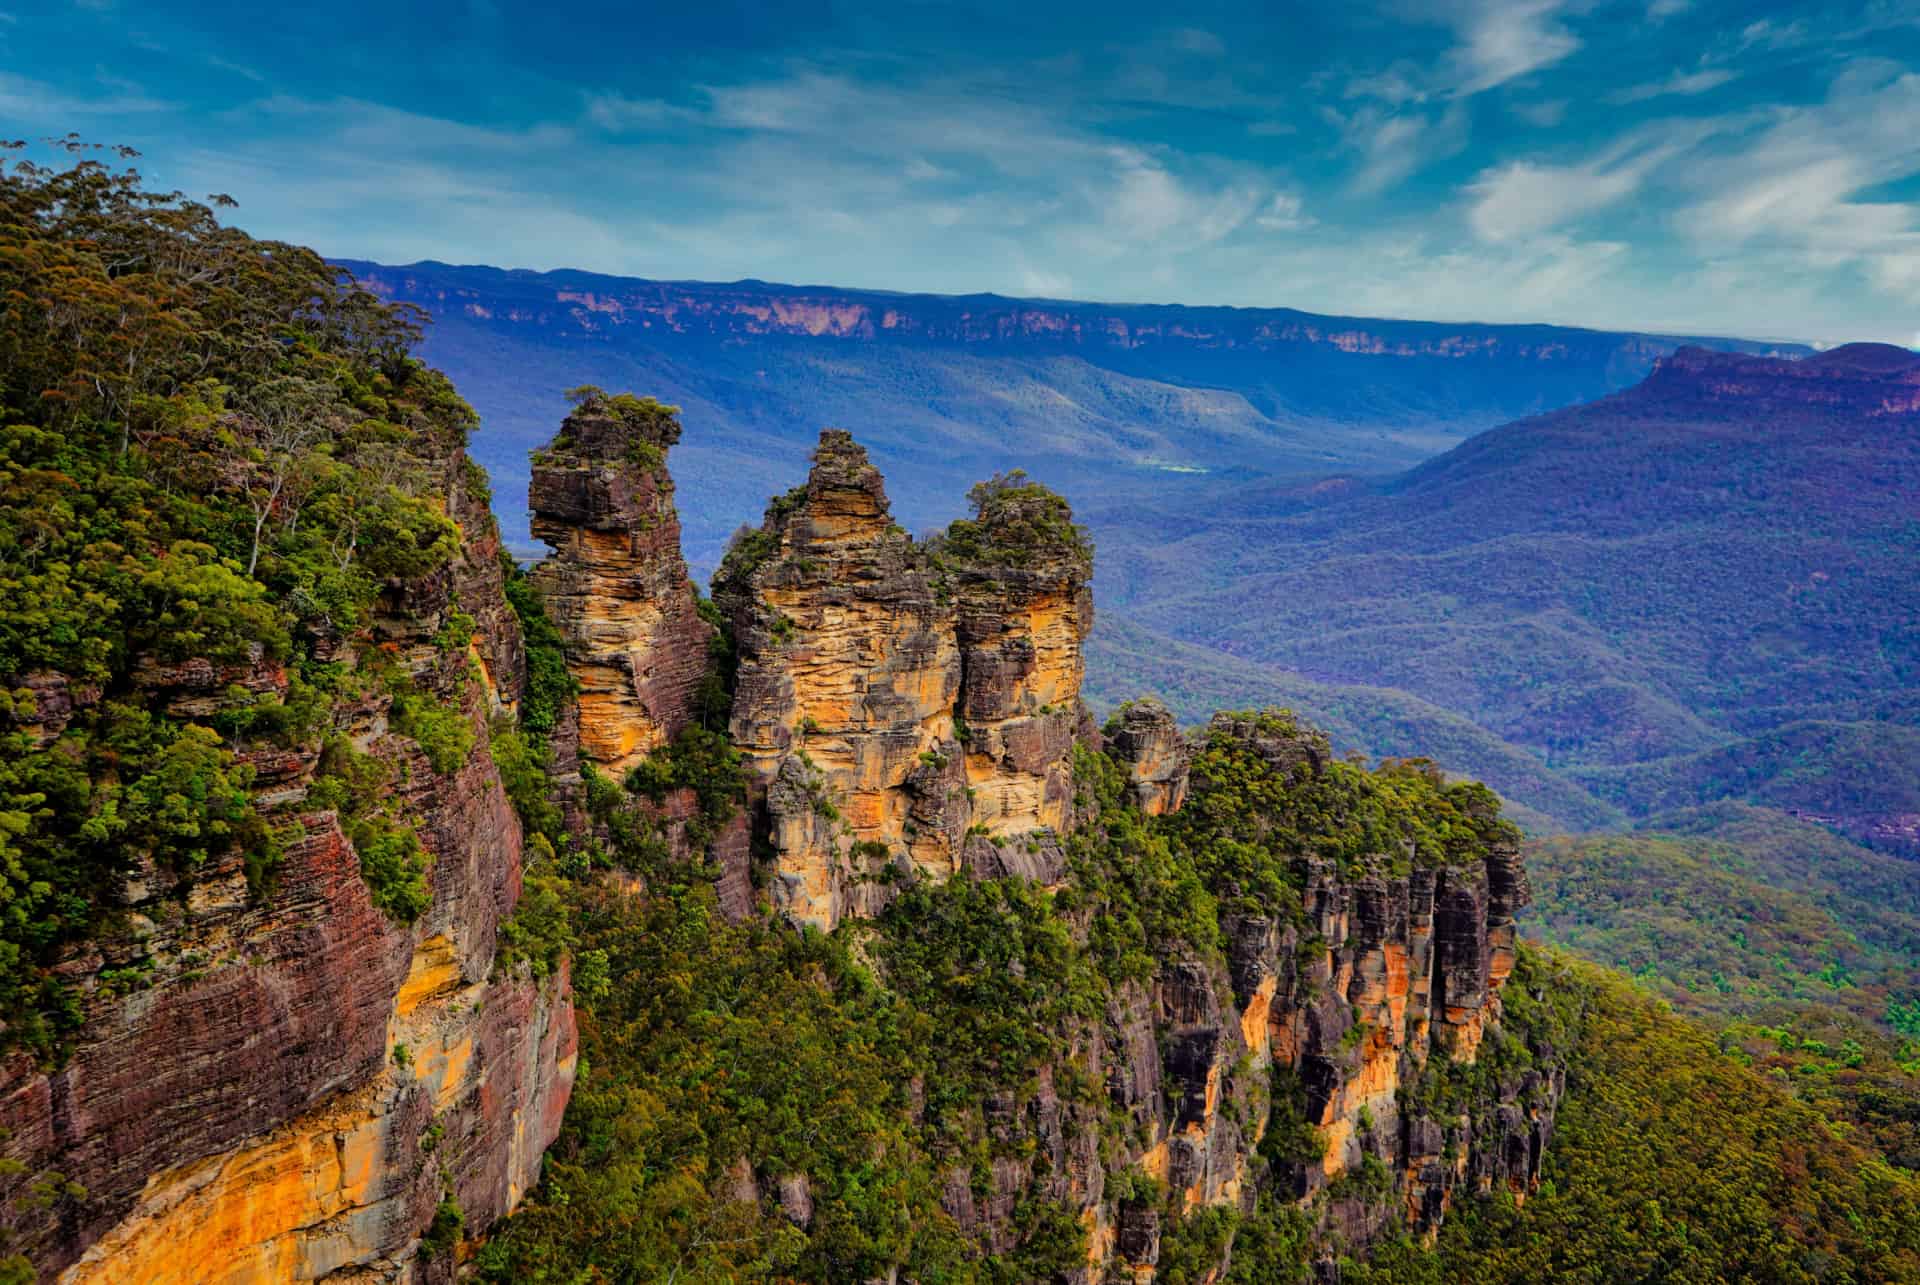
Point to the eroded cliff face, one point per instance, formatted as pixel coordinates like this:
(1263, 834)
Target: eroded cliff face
(1349, 1029)
(901, 706)
(616, 585)
(287, 1085)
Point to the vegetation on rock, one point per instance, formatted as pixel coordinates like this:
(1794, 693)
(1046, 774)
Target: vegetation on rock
(1672, 1161)
(213, 450)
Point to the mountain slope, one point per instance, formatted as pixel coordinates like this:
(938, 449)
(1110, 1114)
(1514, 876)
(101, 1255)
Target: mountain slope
(1672, 1161)
(1800, 949)
(1100, 400)
(1630, 589)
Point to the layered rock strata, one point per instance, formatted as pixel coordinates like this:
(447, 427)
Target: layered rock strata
(616, 585)
(1145, 737)
(1332, 1024)
(902, 704)
(288, 1086)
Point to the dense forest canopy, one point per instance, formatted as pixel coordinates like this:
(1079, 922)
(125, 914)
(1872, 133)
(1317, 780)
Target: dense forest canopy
(218, 451)
(214, 449)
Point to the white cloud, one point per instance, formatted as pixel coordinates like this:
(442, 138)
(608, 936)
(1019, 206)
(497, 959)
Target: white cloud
(1800, 185)
(234, 68)
(1396, 86)
(1393, 146)
(1526, 198)
(1544, 114)
(1204, 44)
(1768, 34)
(1040, 283)
(617, 113)
(1523, 199)
(1284, 213)
(1661, 10)
(24, 100)
(1679, 84)
(1503, 40)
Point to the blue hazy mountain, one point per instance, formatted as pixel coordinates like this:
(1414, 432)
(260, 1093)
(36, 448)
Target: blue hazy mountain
(1102, 401)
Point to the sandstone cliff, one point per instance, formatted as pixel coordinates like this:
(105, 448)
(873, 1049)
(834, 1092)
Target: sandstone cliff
(909, 711)
(288, 1083)
(904, 706)
(616, 584)
(1325, 1060)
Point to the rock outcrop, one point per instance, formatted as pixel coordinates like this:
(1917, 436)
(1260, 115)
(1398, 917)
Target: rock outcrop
(290, 1086)
(616, 585)
(1348, 1029)
(904, 705)
(1144, 736)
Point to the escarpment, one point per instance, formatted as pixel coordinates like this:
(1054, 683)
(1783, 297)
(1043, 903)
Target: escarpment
(1327, 1056)
(1317, 1037)
(299, 1074)
(905, 706)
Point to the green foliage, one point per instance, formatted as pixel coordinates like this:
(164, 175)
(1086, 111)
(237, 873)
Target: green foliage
(1194, 1245)
(444, 1232)
(999, 966)
(751, 548)
(522, 760)
(391, 859)
(1016, 522)
(1671, 1161)
(550, 685)
(655, 425)
(394, 865)
(1248, 822)
(714, 1043)
(541, 928)
(1147, 898)
(699, 760)
(1791, 942)
(444, 732)
(212, 449)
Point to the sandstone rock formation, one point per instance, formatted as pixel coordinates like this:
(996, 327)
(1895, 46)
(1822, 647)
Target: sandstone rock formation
(1367, 1004)
(616, 587)
(1144, 736)
(616, 584)
(904, 705)
(288, 1086)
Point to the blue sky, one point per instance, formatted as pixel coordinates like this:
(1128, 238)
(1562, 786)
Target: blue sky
(1665, 164)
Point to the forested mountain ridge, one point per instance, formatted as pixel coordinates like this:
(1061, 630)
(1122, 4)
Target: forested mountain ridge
(324, 821)
(1691, 590)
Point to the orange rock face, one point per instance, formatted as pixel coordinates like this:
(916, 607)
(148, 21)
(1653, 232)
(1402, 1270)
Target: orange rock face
(616, 585)
(244, 1113)
(898, 703)
(1386, 974)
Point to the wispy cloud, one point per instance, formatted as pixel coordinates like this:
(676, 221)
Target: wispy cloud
(1652, 161)
(1679, 84)
(1503, 40)
(35, 103)
(1526, 198)
(1286, 212)
(1200, 42)
(1394, 145)
(1804, 185)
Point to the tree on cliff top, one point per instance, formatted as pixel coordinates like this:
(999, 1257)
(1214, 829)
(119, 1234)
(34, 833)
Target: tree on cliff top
(211, 447)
